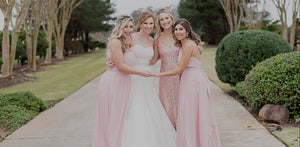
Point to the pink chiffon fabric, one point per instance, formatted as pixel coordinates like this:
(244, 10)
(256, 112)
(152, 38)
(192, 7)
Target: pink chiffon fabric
(196, 122)
(113, 96)
(169, 86)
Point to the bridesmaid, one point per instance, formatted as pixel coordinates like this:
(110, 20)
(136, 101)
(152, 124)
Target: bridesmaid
(165, 50)
(114, 86)
(196, 122)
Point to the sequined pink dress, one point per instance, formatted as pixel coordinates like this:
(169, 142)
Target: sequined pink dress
(169, 86)
(112, 105)
(196, 126)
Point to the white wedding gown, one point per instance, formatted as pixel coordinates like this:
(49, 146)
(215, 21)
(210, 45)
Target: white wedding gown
(146, 124)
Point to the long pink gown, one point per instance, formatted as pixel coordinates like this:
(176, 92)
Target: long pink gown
(169, 86)
(196, 125)
(113, 96)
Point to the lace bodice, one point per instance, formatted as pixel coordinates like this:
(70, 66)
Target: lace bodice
(143, 55)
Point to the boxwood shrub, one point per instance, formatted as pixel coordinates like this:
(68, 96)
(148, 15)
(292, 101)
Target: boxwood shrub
(275, 81)
(27, 100)
(239, 52)
(18, 108)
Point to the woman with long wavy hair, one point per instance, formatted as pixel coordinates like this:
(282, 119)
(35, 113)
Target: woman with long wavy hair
(115, 86)
(165, 50)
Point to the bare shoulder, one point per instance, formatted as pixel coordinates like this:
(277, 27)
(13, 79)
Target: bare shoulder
(114, 42)
(190, 45)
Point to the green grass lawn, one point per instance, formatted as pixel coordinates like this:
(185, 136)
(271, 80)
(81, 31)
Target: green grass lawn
(290, 136)
(62, 79)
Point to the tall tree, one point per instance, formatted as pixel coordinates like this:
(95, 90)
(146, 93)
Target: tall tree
(253, 18)
(207, 19)
(33, 25)
(296, 7)
(6, 9)
(48, 15)
(90, 16)
(281, 6)
(20, 8)
(63, 14)
(234, 13)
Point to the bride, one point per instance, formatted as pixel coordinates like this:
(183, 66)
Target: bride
(146, 123)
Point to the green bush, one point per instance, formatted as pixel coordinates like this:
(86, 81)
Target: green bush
(21, 50)
(12, 117)
(238, 52)
(96, 44)
(275, 81)
(18, 108)
(42, 45)
(27, 100)
(240, 88)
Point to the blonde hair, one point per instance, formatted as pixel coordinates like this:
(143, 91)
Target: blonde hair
(117, 32)
(158, 28)
(143, 17)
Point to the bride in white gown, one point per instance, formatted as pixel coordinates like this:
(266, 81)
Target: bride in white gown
(146, 124)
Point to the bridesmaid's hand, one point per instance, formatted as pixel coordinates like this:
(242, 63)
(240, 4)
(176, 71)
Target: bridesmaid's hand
(152, 61)
(155, 74)
(200, 48)
(109, 64)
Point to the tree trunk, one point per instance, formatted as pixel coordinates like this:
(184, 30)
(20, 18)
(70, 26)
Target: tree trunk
(15, 36)
(60, 48)
(293, 27)
(34, 43)
(5, 47)
(48, 57)
(86, 43)
(29, 47)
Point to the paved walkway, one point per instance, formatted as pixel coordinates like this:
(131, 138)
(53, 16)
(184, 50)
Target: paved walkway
(70, 123)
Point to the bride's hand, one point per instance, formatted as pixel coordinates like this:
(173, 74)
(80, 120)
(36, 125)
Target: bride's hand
(146, 74)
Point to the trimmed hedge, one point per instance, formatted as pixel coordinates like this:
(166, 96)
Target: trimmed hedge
(13, 117)
(275, 81)
(18, 108)
(238, 52)
(27, 100)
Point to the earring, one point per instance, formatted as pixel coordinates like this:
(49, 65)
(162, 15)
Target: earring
(187, 35)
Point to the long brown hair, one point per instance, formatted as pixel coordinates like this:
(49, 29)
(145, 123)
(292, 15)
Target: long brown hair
(117, 32)
(187, 26)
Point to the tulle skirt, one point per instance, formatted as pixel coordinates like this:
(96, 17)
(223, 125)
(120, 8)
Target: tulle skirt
(196, 122)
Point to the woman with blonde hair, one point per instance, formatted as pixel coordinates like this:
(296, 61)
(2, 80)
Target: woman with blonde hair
(165, 50)
(147, 124)
(115, 86)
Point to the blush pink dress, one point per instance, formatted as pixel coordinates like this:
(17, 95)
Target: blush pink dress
(113, 97)
(196, 126)
(169, 86)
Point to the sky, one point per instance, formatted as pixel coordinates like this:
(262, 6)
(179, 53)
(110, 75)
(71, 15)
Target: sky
(128, 6)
